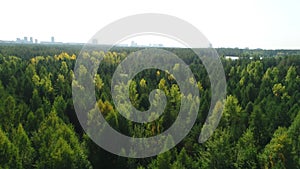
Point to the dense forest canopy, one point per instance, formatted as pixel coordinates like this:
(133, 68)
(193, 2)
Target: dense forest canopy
(260, 126)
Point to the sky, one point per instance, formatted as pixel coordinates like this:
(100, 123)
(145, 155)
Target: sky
(266, 24)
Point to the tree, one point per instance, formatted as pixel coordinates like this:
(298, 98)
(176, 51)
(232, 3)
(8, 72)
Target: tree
(23, 143)
(234, 117)
(280, 91)
(184, 160)
(31, 122)
(164, 160)
(277, 154)
(293, 133)
(246, 151)
(98, 83)
(57, 145)
(59, 106)
(9, 157)
(35, 101)
(7, 119)
(64, 68)
(133, 94)
(220, 150)
(259, 125)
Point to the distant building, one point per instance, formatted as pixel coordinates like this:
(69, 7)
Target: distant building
(237, 57)
(19, 40)
(51, 42)
(156, 45)
(6, 41)
(133, 44)
(31, 40)
(94, 41)
(232, 57)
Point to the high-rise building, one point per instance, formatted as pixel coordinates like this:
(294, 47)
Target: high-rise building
(31, 40)
(52, 39)
(94, 41)
(35, 41)
(25, 39)
(134, 44)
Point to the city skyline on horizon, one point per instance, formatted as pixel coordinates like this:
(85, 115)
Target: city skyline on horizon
(251, 23)
(122, 44)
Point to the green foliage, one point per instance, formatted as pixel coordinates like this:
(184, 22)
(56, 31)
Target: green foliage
(246, 151)
(58, 145)
(7, 115)
(220, 150)
(293, 133)
(23, 143)
(277, 154)
(164, 160)
(9, 156)
(39, 127)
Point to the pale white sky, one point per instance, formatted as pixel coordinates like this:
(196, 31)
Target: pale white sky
(268, 24)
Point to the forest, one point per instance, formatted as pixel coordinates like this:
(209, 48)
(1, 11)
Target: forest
(259, 128)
